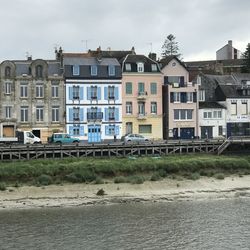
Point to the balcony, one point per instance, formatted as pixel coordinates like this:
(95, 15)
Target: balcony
(142, 95)
(142, 116)
(94, 116)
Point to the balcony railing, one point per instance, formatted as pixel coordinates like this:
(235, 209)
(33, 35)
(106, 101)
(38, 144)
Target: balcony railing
(142, 95)
(94, 116)
(142, 116)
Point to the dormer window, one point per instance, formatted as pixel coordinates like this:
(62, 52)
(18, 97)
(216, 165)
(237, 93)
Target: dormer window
(93, 70)
(140, 67)
(7, 71)
(76, 70)
(111, 70)
(39, 71)
(154, 67)
(128, 67)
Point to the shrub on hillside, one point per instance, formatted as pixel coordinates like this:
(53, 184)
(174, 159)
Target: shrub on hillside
(2, 186)
(136, 179)
(120, 179)
(44, 180)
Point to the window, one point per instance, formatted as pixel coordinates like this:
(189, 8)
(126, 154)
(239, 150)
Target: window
(173, 79)
(93, 92)
(177, 96)
(244, 110)
(7, 112)
(128, 67)
(145, 129)
(76, 130)
(76, 114)
(55, 114)
(39, 114)
(111, 92)
(7, 71)
(189, 97)
(153, 107)
(201, 94)
(76, 92)
(128, 88)
(209, 114)
(141, 90)
(39, 90)
(141, 108)
(76, 70)
(111, 113)
(110, 130)
(111, 70)
(23, 90)
(140, 67)
(8, 88)
(24, 114)
(93, 70)
(129, 108)
(55, 90)
(153, 88)
(220, 128)
(39, 71)
(183, 114)
(153, 67)
(217, 114)
(233, 108)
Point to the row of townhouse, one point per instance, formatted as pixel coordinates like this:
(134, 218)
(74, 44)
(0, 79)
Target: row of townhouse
(103, 95)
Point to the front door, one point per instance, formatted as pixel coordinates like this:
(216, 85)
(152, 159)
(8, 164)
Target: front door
(206, 132)
(94, 133)
(186, 133)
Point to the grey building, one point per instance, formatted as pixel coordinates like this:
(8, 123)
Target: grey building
(31, 97)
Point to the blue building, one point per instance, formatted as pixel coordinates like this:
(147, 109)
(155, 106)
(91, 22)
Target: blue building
(93, 97)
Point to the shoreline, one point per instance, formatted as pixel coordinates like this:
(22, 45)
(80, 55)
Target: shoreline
(166, 190)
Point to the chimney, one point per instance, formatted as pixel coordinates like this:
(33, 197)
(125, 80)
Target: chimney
(230, 49)
(152, 56)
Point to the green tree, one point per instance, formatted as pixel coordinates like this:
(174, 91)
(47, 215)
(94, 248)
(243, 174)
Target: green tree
(246, 60)
(170, 47)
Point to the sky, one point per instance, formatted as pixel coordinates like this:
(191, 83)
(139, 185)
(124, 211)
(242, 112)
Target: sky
(201, 27)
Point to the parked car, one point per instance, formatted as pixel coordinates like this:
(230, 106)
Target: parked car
(131, 138)
(62, 138)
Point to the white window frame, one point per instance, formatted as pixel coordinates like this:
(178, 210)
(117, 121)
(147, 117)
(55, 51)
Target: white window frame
(8, 112)
(55, 90)
(39, 114)
(153, 108)
(177, 97)
(39, 91)
(190, 97)
(24, 90)
(24, 114)
(8, 88)
(93, 70)
(140, 67)
(129, 108)
(76, 70)
(111, 70)
(55, 114)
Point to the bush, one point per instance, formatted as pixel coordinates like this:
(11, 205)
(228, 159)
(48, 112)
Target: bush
(136, 179)
(120, 179)
(44, 180)
(2, 186)
(155, 177)
(99, 180)
(74, 178)
(100, 192)
(194, 176)
(162, 173)
(220, 176)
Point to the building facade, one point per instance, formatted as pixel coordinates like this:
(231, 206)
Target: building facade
(32, 97)
(142, 96)
(93, 97)
(180, 104)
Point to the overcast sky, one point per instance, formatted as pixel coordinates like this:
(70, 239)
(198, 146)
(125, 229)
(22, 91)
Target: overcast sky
(200, 26)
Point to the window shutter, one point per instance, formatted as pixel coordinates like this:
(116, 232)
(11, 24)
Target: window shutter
(106, 130)
(117, 114)
(105, 93)
(98, 93)
(82, 130)
(88, 93)
(116, 93)
(117, 130)
(106, 114)
(194, 97)
(70, 93)
(182, 81)
(70, 114)
(165, 79)
(71, 130)
(183, 97)
(81, 93)
(171, 97)
(81, 114)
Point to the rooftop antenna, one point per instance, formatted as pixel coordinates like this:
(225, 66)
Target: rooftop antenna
(86, 44)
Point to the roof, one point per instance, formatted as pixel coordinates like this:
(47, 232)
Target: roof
(134, 59)
(229, 91)
(220, 79)
(211, 105)
(165, 61)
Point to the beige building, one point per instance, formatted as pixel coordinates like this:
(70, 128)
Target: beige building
(32, 97)
(141, 96)
(180, 105)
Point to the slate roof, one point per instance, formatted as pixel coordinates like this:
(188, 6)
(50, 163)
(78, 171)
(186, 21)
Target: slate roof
(229, 91)
(220, 79)
(134, 59)
(211, 105)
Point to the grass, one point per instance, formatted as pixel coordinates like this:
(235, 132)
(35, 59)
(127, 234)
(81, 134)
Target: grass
(93, 170)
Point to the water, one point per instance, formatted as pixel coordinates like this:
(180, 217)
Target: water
(218, 224)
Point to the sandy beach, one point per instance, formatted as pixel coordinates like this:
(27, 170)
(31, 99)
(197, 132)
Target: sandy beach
(167, 190)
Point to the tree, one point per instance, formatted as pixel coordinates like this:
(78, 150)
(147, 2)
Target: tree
(246, 60)
(170, 47)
